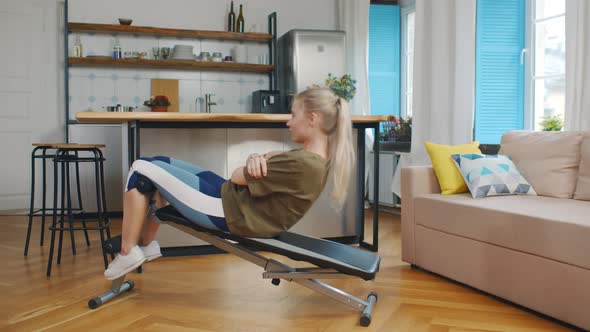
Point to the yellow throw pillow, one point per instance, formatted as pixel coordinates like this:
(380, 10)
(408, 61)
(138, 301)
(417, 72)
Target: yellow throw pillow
(449, 177)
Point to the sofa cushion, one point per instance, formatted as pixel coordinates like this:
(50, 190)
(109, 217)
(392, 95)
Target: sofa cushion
(553, 228)
(583, 185)
(491, 175)
(548, 160)
(449, 178)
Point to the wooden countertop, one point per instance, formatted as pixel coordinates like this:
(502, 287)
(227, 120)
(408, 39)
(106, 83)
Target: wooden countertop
(122, 117)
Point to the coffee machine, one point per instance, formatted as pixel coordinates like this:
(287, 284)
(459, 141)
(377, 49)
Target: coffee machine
(267, 101)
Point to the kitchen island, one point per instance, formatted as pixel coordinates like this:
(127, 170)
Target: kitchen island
(133, 122)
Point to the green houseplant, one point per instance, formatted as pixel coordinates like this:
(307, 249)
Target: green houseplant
(552, 123)
(343, 87)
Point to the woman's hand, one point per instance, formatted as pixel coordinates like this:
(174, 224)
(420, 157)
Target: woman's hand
(256, 166)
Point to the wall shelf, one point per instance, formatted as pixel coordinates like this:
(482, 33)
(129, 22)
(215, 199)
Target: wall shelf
(171, 64)
(269, 39)
(153, 31)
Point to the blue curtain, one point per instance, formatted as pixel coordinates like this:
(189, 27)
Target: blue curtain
(384, 59)
(499, 86)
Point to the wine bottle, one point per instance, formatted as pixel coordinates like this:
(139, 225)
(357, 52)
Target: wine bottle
(240, 22)
(231, 20)
(78, 48)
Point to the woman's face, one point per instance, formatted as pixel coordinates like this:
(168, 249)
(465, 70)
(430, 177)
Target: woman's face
(300, 123)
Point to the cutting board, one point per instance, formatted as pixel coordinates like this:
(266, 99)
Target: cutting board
(168, 88)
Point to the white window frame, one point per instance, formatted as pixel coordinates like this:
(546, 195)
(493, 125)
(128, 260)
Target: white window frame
(529, 55)
(405, 90)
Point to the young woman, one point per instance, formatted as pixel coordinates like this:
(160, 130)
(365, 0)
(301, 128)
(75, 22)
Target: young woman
(262, 199)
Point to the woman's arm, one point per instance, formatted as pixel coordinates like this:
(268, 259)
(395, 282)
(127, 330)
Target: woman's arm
(271, 153)
(238, 177)
(255, 165)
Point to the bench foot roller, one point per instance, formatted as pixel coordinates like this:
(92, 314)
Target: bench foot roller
(119, 287)
(366, 315)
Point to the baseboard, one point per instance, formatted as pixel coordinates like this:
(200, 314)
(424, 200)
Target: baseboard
(14, 212)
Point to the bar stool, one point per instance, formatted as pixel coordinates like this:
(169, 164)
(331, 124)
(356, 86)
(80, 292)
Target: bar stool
(66, 154)
(45, 151)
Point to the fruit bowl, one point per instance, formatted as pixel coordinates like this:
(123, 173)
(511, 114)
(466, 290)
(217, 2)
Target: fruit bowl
(125, 21)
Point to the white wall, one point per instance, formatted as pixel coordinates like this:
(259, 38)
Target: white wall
(207, 14)
(29, 92)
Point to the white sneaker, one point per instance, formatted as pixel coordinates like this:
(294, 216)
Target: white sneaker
(151, 251)
(123, 264)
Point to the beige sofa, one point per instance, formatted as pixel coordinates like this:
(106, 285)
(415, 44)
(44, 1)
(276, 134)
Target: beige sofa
(531, 250)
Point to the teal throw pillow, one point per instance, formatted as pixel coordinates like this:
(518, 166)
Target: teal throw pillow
(491, 175)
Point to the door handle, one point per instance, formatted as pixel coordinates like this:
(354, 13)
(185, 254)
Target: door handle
(523, 52)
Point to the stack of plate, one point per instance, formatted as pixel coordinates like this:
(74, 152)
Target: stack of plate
(182, 52)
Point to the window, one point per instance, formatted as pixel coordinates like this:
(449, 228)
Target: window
(547, 47)
(384, 59)
(408, 23)
(508, 46)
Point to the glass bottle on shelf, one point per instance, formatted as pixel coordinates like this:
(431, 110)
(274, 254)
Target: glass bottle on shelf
(231, 19)
(117, 54)
(77, 51)
(240, 22)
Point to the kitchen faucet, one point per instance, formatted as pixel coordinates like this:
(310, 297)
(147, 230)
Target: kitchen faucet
(208, 102)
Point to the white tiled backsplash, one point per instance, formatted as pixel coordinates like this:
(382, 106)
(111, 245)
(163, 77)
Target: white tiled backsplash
(93, 88)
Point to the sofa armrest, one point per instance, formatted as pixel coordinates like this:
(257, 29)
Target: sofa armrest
(415, 181)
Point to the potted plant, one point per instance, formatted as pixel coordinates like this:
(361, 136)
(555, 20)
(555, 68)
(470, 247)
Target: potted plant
(158, 103)
(398, 130)
(343, 87)
(552, 123)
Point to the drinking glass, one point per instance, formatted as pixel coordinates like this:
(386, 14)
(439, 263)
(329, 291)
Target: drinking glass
(165, 51)
(156, 52)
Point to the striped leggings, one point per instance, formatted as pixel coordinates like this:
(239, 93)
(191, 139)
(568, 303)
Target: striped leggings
(193, 191)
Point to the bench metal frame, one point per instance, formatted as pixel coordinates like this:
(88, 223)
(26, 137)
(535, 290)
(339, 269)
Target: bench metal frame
(274, 270)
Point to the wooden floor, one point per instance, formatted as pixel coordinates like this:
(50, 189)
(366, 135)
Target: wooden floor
(224, 293)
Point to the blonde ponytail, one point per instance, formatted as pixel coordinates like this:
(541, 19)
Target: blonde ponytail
(342, 154)
(337, 124)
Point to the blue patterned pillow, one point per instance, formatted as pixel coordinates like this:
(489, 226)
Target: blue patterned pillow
(491, 175)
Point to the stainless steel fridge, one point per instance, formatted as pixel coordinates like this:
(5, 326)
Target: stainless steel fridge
(306, 57)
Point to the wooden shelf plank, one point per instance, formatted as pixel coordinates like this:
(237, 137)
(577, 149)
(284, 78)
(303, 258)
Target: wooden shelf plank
(172, 64)
(121, 117)
(201, 34)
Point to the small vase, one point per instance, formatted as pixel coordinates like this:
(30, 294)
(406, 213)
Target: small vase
(159, 108)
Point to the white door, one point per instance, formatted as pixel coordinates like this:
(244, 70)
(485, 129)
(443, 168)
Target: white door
(30, 83)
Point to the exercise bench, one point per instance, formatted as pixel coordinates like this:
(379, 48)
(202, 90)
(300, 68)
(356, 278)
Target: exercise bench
(332, 260)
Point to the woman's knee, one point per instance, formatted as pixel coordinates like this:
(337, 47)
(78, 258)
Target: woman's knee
(137, 177)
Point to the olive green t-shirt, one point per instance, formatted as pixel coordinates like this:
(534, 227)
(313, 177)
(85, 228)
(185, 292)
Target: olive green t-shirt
(272, 204)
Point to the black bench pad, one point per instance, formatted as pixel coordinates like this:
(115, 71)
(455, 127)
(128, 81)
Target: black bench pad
(322, 253)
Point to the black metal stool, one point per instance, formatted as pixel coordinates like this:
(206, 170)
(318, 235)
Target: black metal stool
(44, 151)
(66, 154)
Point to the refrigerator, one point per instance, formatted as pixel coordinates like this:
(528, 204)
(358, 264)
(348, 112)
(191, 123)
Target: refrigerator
(306, 57)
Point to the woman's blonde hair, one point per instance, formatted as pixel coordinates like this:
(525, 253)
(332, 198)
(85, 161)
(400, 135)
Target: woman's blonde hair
(336, 123)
